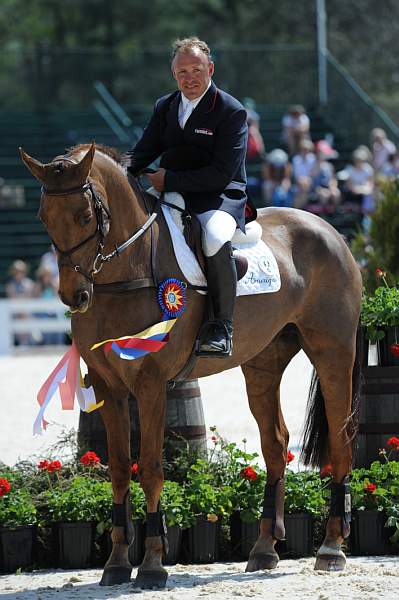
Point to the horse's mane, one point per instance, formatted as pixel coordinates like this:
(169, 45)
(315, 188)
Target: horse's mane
(107, 150)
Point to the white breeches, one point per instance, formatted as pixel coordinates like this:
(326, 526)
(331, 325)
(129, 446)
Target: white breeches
(218, 227)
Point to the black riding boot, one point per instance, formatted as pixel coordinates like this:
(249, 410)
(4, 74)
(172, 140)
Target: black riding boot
(216, 336)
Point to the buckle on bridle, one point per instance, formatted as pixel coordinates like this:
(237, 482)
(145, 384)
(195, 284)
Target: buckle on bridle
(98, 264)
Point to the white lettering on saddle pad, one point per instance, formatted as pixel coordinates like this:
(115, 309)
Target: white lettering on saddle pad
(262, 276)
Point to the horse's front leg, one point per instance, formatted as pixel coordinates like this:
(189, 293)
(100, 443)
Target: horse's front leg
(115, 416)
(150, 393)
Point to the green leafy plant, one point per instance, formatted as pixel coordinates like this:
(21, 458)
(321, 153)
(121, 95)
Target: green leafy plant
(305, 492)
(137, 501)
(16, 505)
(175, 505)
(380, 310)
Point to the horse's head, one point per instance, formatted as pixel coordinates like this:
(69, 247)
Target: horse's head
(76, 219)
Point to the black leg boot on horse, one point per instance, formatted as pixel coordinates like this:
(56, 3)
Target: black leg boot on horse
(216, 336)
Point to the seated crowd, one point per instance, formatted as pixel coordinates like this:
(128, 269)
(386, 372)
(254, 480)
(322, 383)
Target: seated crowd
(302, 173)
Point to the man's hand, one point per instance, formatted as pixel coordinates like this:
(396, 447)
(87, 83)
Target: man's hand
(157, 179)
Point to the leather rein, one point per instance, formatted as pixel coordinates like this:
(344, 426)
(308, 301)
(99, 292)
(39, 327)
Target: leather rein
(103, 218)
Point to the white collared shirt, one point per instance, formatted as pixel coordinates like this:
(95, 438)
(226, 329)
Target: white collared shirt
(187, 106)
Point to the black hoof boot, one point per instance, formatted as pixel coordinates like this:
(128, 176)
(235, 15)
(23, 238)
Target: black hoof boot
(115, 575)
(151, 579)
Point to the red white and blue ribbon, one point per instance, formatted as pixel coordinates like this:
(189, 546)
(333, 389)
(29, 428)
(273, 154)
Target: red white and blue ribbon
(130, 347)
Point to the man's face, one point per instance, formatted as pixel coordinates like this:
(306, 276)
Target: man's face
(192, 71)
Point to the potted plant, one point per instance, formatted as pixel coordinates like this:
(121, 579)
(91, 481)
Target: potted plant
(73, 507)
(305, 501)
(138, 509)
(208, 503)
(175, 507)
(17, 521)
(380, 318)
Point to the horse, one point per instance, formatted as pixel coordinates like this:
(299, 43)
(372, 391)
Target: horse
(88, 207)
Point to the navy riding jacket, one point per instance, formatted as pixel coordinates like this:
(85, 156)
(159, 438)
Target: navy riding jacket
(205, 161)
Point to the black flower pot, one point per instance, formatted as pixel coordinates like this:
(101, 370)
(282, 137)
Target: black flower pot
(16, 548)
(298, 535)
(202, 538)
(75, 543)
(243, 535)
(174, 540)
(385, 356)
(367, 533)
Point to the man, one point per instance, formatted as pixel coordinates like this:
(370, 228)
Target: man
(200, 132)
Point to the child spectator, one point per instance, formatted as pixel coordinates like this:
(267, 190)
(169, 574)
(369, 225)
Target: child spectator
(324, 194)
(303, 164)
(276, 173)
(382, 149)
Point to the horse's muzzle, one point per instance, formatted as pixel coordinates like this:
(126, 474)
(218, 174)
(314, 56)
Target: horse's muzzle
(81, 302)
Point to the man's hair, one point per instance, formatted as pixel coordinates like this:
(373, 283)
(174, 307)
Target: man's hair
(189, 45)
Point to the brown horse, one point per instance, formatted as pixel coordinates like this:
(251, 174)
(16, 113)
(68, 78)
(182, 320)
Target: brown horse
(88, 206)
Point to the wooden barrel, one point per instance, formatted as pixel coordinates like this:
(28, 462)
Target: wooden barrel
(184, 424)
(379, 413)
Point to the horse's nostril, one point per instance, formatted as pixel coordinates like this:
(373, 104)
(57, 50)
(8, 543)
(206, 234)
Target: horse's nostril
(82, 298)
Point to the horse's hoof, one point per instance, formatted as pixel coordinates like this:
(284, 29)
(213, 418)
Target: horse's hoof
(258, 562)
(116, 575)
(150, 579)
(330, 562)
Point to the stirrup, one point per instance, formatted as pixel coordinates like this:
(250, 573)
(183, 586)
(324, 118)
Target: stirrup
(202, 335)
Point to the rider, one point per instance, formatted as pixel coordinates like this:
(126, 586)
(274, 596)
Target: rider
(200, 132)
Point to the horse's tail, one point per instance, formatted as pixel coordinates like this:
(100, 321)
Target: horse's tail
(315, 438)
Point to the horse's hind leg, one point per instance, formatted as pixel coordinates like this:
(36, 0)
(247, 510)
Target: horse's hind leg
(115, 416)
(333, 357)
(263, 376)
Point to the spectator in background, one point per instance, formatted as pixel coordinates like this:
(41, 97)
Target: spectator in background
(303, 164)
(391, 167)
(276, 175)
(20, 286)
(324, 194)
(49, 262)
(47, 287)
(382, 149)
(255, 144)
(359, 186)
(296, 127)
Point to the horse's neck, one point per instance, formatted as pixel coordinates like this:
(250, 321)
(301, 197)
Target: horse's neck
(128, 214)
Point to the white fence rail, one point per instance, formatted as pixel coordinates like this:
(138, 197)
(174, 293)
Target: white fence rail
(31, 318)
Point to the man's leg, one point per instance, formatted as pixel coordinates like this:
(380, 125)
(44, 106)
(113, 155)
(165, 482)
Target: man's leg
(218, 228)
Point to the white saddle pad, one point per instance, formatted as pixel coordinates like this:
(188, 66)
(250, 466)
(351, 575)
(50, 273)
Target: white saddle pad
(262, 276)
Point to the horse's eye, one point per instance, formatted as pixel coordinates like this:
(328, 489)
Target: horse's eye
(84, 219)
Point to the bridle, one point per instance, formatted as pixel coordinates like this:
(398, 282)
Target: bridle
(103, 218)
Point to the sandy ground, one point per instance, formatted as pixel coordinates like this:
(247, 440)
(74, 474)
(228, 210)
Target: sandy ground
(224, 400)
(371, 578)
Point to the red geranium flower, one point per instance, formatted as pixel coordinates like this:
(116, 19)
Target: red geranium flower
(290, 457)
(5, 486)
(135, 468)
(55, 465)
(370, 487)
(326, 471)
(214, 439)
(379, 272)
(393, 442)
(43, 464)
(89, 459)
(249, 473)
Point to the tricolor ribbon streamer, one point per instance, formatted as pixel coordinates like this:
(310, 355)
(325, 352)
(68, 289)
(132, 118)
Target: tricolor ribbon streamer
(67, 378)
(130, 347)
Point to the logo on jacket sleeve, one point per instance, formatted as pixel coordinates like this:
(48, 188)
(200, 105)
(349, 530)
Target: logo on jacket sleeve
(204, 131)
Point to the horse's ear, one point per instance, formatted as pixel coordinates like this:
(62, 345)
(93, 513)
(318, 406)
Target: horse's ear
(82, 169)
(37, 169)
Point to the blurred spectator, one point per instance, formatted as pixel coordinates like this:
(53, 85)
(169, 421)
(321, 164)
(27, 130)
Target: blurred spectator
(276, 174)
(382, 149)
(20, 286)
(49, 262)
(11, 195)
(47, 287)
(255, 144)
(324, 194)
(296, 126)
(391, 167)
(303, 164)
(359, 186)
